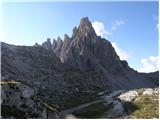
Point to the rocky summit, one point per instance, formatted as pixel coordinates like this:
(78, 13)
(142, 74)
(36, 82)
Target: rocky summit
(50, 80)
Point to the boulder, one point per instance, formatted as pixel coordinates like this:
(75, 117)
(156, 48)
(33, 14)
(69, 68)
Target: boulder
(148, 91)
(128, 96)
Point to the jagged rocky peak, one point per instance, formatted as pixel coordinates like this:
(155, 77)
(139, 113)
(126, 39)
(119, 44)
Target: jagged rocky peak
(85, 34)
(66, 37)
(75, 31)
(85, 22)
(66, 42)
(58, 47)
(48, 40)
(54, 44)
(59, 39)
(59, 42)
(86, 50)
(47, 44)
(85, 27)
(65, 47)
(36, 44)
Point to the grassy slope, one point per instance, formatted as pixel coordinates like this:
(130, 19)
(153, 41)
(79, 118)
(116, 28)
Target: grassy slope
(144, 106)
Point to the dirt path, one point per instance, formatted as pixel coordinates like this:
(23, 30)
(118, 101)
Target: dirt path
(64, 113)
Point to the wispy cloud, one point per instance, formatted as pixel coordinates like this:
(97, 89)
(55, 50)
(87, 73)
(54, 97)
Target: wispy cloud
(121, 53)
(116, 24)
(157, 25)
(156, 18)
(149, 64)
(101, 31)
(99, 28)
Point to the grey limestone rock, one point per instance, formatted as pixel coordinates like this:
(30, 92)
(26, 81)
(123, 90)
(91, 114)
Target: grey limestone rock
(47, 44)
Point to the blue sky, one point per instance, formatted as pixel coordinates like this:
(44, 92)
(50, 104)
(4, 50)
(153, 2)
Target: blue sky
(28, 22)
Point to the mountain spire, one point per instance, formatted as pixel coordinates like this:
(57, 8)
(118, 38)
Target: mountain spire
(85, 27)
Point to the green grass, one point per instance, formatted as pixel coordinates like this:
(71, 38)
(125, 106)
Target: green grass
(49, 107)
(148, 107)
(143, 106)
(9, 82)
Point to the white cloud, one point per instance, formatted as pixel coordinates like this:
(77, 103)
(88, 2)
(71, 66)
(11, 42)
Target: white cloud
(116, 24)
(157, 26)
(156, 18)
(149, 64)
(99, 28)
(122, 54)
(121, 22)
